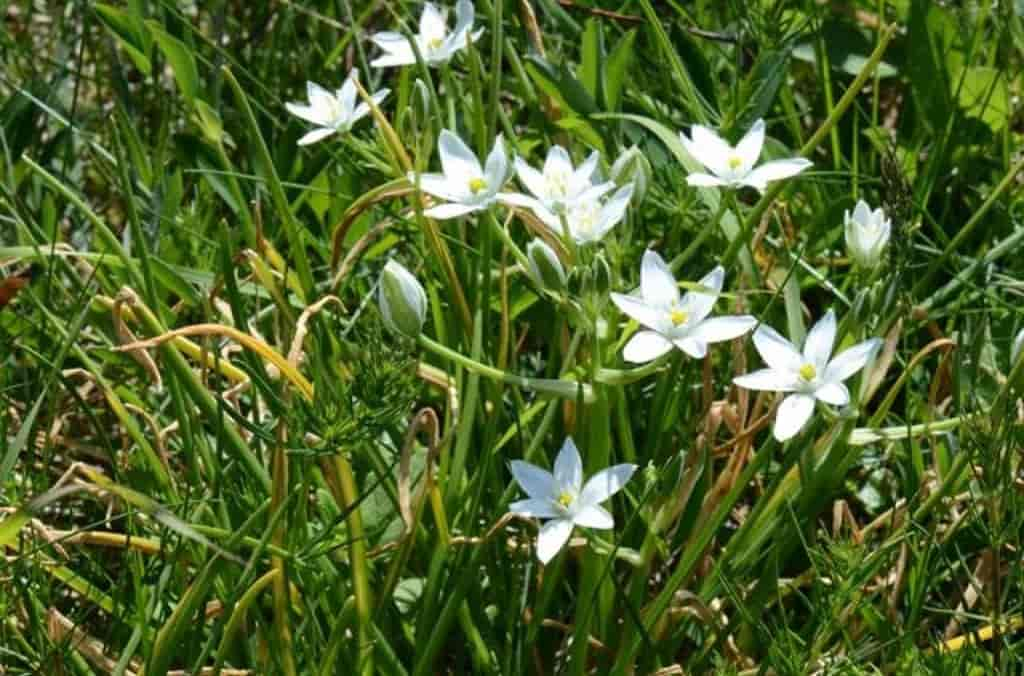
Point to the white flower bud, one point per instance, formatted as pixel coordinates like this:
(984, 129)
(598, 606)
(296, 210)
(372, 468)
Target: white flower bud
(403, 302)
(1018, 343)
(545, 268)
(633, 166)
(867, 234)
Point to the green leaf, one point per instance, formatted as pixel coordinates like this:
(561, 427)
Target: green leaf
(131, 34)
(984, 94)
(559, 84)
(181, 60)
(592, 57)
(762, 84)
(616, 69)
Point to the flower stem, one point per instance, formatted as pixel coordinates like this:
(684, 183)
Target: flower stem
(559, 387)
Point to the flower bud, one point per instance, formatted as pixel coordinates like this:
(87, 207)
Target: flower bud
(545, 268)
(602, 275)
(867, 234)
(1018, 343)
(633, 166)
(403, 302)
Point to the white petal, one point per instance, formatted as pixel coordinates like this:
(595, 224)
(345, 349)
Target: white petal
(581, 178)
(709, 149)
(862, 212)
(558, 162)
(717, 329)
(537, 509)
(776, 351)
(569, 466)
(851, 360)
(768, 380)
(318, 96)
(517, 200)
(774, 171)
(464, 19)
(698, 304)
(705, 181)
(833, 393)
(794, 412)
(749, 147)
(594, 516)
(348, 94)
(443, 212)
(530, 177)
(657, 283)
(314, 136)
(552, 537)
(694, 347)
(457, 160)
(397, 58)
(613, 210)
(307, 113)
(645, 346)
(537, 482)
(433, 23)
(819, 341)
(496, 168)
(363, 109)
(439, 186)
(637, 309)
(605, 484)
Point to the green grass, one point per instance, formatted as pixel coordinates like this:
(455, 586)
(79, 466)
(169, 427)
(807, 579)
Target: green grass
(292, 488)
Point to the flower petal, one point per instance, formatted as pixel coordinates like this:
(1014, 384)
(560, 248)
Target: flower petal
(363, 109)
(851, 360)
(538, 483)
(433, 23)
(794, 412)
(717, 329)
(768, 380)
(530, 177)
(833, 393)
(496, 167)
(568, 467)
(705, 181)
(819, 341)
(776, 351)
(709, 149)
(694, 347)
(613, 210)
(594, 516)
(537, 509)
(517, 200)
(605, 484)
(657, 283)
(862, 212)
(552, 537)
(438, 185)
(307, 113)
(749, 147)
(645, 346)
(775, 171)
(638, 309)
(698, 304)
(558, 162)
(443, 212)
(315, 135)
(459, 163)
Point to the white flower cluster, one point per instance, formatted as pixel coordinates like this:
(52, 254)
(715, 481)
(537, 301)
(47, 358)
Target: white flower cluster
(579, 207)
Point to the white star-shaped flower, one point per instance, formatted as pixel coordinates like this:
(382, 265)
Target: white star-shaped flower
(733, 167)
(465, 185)
(558, 185)
(435, 43)
(671, 320)
(807, 376)
(589, 220)
(332, 112)
(563, 499)
(867, 233)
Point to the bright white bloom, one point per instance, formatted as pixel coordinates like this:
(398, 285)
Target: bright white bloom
(589, 220)
(867, 233)
(564, 499)
(671, 320)
(465, 185)
(435, 43)
(733, 167)
(332, 112)
(809, 375)
(403, 302)
(558, 185)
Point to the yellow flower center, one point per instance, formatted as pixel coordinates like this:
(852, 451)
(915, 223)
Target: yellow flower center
(434, 43)
(558, 184)
(678, 316)
(808, 372)
(565, 499)
(735, 163)
(476, 185)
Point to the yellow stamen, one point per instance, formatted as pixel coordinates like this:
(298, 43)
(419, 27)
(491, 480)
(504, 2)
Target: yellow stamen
(678, 317)
(565, 499)
(435, 43)
(476, 185)
(807, 372)
(735, 162)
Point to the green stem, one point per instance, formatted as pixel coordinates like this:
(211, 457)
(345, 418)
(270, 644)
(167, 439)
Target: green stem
(567, 389)
(688, 252)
